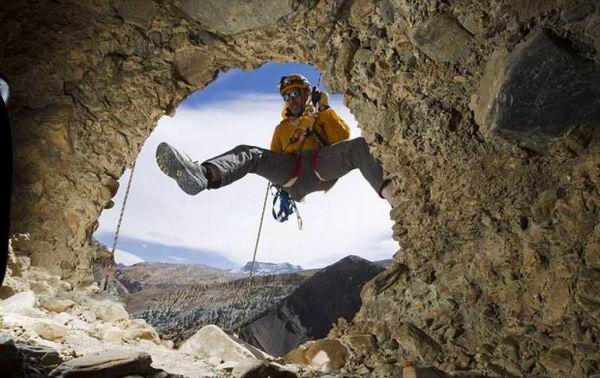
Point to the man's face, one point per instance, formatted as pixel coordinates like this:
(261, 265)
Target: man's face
(295, 98)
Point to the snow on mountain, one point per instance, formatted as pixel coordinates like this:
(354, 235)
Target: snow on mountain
(266, 268)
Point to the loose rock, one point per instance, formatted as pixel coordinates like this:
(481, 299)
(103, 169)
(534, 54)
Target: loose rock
(10, 359)
(442, 38)
(115, 363)
(541, 90)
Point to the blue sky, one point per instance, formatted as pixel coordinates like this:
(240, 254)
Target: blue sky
(219, 227)
(262, 80)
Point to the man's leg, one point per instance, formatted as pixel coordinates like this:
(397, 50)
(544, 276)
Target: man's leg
(236, 163)
(336, 160)
(224, 169)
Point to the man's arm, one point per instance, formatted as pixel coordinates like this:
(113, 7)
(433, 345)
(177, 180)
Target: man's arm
(334, 127)
(276, 142)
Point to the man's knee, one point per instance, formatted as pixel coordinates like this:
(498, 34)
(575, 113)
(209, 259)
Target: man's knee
(359, 147)
(244, 147)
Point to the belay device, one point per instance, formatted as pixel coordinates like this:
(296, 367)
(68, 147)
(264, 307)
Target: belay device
(287, 206)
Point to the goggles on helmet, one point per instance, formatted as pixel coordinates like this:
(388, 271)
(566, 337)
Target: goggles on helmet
(291, 95)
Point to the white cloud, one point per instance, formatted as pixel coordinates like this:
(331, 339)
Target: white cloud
(126, 258)
(349, 219)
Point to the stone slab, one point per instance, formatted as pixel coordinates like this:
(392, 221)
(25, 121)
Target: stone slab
(111, 363)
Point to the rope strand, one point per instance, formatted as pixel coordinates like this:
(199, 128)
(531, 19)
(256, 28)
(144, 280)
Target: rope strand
(116, 238)
(249, 287)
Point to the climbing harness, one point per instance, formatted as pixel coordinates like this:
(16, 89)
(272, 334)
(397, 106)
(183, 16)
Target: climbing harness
(287, 206)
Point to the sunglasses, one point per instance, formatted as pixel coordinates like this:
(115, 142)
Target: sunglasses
(291, 95)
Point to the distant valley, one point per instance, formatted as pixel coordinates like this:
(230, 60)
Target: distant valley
(179, 299)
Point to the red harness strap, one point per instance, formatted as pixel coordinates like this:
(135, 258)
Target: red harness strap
(315, 156)
(298, 166)
(300, 159)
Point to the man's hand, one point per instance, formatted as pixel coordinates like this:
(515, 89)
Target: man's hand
(319, 98)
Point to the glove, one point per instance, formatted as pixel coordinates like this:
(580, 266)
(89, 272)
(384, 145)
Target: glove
(319, 98)
(315, 96)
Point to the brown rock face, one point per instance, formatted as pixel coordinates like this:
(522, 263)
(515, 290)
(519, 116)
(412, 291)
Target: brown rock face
(498, 271)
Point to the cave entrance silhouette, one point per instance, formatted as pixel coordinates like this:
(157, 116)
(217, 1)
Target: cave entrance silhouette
(241, 108)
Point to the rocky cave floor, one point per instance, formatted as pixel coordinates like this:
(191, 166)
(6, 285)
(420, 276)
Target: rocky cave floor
(48, 327)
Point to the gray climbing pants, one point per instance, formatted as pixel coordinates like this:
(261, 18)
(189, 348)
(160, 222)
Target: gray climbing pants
(314, 171)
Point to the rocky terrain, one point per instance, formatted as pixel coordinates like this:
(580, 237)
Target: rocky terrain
(50, 328)
(309, 312)
(152, 274)
(177, 312)
(45, 321)
(278, 312)
(483, 113)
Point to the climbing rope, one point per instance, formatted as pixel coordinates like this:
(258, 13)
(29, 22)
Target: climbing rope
(287, 207)
(114, 246)
(242, 318)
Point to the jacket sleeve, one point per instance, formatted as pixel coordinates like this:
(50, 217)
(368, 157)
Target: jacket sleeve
(276, 141)
(334, 127)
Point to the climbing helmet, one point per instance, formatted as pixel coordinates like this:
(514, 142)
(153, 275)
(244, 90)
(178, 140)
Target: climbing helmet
(292, 82)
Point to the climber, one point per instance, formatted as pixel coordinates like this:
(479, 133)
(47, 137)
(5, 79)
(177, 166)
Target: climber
(309, 151)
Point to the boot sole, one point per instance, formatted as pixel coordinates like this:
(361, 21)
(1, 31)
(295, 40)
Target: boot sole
(171, 165)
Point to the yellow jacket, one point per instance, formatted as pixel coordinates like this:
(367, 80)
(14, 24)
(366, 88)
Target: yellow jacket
(287, 136)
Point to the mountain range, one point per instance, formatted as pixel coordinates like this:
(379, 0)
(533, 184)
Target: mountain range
(267, 268)
(156, 252)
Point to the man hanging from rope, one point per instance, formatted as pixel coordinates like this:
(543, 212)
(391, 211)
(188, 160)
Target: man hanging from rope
(310, 150)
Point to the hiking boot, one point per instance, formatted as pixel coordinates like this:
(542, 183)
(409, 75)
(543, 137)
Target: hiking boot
(188, 174)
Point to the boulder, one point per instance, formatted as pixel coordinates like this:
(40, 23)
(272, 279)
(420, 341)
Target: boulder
(539, 91)
(195, 67)
(363, 344)
(235, 16)
(108, 311)
(111, 363)
(140, 329)
(111, 334)
(42, 354)
(55, 304)
(252, 368)
(49, 330)
(320, 354)
(20, 303)
(558, 362)
(138, 12)
(211, 341)
(142, 334)
(442, 38)
(414, 340)
(10, 359)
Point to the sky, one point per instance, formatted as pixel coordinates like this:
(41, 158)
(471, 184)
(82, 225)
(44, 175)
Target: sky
(241, 108)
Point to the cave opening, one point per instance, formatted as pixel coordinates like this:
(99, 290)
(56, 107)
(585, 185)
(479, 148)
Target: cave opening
(163, 229)
(218, 227)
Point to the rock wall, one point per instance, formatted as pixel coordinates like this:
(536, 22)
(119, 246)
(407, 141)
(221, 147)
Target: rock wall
(482, 113)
